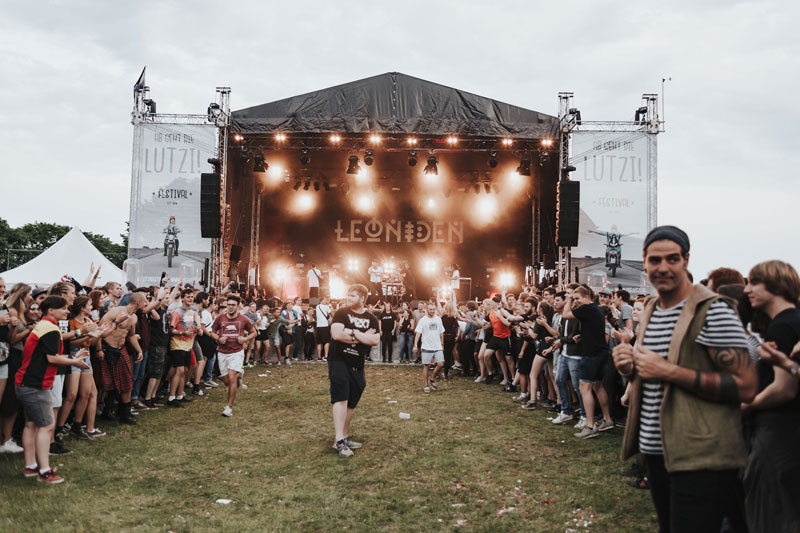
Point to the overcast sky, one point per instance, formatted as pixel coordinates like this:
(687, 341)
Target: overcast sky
(727, 163)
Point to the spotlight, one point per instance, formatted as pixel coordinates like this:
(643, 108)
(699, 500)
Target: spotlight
(547, 142)
(507, 142)
(429, 266)
(214, 111)
(353, 167)
(452, 140)
(238, 137)
(364, 203)
(304, 203)
(431, 204)
(375, 139)
(506, 279)
(316, 186)
(259, 165)
(352, 264)
(296, 185)
(412, 158)
(487, 188)
(280, 137)
(524, 168)
(412, 141)
(369, 158)
(431, 169)
(493, 159)
(544, 157)
(307, 185)
(335, 138)
(305, 158)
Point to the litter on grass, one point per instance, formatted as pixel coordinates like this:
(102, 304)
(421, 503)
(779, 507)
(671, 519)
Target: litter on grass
(223, 501)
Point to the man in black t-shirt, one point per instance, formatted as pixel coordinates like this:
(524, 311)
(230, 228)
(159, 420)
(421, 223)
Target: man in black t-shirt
(593, 350)
(773, 464)
(354, 331)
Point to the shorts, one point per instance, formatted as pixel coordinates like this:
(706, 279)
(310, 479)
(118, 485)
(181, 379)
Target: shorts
(500, 345)
(347, 383)
(590, 368)
(88, 361)
(526, 361)
(37, 405)
(4, 371)
(478, 344)
(230, 361)
(262, 335)
(180, 357)
(275, 339)
(57, 392)
(323, 334)
(155, 361)
(429, 356)
(119, 376)
(197, 352)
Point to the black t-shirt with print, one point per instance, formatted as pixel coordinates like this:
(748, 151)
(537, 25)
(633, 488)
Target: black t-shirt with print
(593, 330)
(159, 329)
(405, 325)
(387, 323)
(352, 354)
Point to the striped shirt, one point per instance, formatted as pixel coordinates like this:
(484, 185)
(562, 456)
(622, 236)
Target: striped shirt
(721, 329)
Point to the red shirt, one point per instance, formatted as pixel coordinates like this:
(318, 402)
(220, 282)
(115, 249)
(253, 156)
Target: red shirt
(499, 330)
(231, 329)
(36, 371)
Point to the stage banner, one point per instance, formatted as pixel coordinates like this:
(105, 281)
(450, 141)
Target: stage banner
(617, 206)
(165, 201)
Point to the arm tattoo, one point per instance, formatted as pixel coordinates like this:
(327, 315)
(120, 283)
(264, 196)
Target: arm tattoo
(722, 386)
(730, 359)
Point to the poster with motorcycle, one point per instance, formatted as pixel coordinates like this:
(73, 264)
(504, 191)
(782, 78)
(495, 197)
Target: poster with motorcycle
(613, 169)
(165, 201)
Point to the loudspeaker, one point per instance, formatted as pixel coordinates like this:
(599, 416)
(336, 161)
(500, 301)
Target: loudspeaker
(568, 212)
(210, 214)
(236, 253)
(549, 262)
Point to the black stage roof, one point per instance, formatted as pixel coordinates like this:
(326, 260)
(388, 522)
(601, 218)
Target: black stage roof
(394, 103)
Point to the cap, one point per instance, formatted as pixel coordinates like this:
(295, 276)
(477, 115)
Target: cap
(605, 292)
(36, 292)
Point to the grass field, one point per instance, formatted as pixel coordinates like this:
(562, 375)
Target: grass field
(468, 459)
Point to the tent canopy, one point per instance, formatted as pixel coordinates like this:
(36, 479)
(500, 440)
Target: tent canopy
(72, 255)
(394, 103)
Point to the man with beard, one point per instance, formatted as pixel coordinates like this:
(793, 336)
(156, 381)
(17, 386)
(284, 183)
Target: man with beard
(354, 331)
(690, 369)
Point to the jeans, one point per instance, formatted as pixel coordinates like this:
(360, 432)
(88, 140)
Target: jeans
(139, 374)
(568, 369)
(406, 340)
(209, 368)
(297, 343)
(695, 500)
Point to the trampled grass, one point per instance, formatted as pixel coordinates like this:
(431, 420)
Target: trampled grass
(468, 459)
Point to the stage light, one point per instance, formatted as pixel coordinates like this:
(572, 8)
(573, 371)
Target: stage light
(303, 203)
(431, 169)
(352, 264)
(452, 140)
(238, 137)
(326, 185)
(335, 138)
(259, 165)
(353, 167)
(316, 186)
(307, 185)
(544, 157)
(506, 279)
(487, 206)
(412, 141)
(305, 158)
(280, 272)
(547, 142)
(487, 188)
(214, 111)
(412, 158)
(369, 158)
(296, 185)
(431, 204)
(375, 139)
(429, 266)
(493, 159)
(364, 203)
(276, 171)
(280, 137)
(524, 168)
(507, 142)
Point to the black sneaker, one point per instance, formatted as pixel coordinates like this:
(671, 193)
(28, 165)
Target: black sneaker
(58, 448)
(510, 388)
(185, 399)
(489, 378)
(174, 403)
(80, 432)
(641, 483)
(433, 386)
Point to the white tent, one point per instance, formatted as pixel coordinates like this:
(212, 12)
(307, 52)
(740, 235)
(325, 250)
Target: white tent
(72, 255)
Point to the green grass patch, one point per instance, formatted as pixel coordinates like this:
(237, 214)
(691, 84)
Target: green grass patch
(466, 455)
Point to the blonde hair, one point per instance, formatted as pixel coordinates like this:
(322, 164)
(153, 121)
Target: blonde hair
(15, 299)
(780, 278)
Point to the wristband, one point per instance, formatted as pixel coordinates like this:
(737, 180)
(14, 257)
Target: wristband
(697, 380)
(78, 332)
(794, 369)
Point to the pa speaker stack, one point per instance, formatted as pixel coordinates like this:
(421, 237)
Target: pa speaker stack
(210, 214)
(568, 212)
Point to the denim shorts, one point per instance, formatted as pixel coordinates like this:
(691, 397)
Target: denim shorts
(88, 361)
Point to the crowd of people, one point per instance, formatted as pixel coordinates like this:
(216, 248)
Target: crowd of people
(702, 377)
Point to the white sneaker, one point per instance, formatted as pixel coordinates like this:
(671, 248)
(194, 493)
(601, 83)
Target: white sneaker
(288, 362)
(561, 418)
(480, 379)
(11, 447)
(581, 423)
(212, 384)
(228, 411)
(504, 382)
